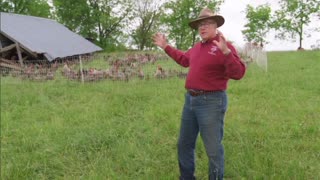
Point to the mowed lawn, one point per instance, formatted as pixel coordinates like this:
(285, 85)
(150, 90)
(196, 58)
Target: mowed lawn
(128, 130)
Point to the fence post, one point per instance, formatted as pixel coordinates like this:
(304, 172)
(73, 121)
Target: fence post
(81, 71)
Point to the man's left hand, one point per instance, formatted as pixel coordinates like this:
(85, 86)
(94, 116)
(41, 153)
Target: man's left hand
(222, 44)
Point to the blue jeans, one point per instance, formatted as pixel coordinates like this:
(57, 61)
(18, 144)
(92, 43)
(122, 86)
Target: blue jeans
(204, 114)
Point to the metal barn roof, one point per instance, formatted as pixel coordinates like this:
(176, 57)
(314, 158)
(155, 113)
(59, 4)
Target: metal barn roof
(44, 36)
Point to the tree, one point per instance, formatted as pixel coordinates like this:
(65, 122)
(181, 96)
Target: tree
(102, 20)
(111, 17)
(293, 16)
(258, 25)
(38, 8)
(4, 6)
(75, 14)
(179, 14)
(147, 13)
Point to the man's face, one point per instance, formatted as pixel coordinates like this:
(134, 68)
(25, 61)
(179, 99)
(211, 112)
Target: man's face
(207, 29)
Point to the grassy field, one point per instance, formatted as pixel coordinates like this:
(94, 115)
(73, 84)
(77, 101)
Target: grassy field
(128, 130)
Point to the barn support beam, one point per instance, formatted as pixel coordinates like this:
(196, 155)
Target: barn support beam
(19, 54)
(7, 48)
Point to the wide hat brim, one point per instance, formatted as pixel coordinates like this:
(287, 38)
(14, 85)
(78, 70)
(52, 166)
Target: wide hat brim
(217, 18)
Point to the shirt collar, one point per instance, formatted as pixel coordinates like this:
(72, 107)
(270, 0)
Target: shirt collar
(210, 40)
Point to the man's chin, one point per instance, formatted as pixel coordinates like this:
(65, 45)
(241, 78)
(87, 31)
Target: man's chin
(204, 38)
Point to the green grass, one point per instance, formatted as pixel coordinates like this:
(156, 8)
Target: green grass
(128, 130)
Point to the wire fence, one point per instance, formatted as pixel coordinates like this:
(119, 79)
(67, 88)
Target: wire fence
(124, 66)
(252, 53)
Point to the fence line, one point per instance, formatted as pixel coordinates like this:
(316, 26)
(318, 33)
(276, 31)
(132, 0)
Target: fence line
(97, 67)
(122, 66)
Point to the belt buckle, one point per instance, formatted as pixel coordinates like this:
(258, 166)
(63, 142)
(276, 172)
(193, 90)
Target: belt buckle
(194, 92)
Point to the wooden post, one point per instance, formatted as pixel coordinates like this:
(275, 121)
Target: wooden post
(19, 54)
(7, 48)
(81, 71)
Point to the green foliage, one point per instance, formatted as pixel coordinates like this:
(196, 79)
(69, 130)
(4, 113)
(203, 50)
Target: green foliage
(75, 14)
(38, 8)
(95, 19)
(147, 13)
(293, 16)
(259, 23)
(5, 6)
(128, 130)
(179, 14)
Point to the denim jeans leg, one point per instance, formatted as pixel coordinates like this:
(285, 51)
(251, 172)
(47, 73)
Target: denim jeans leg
(187, 141)
(210, 115)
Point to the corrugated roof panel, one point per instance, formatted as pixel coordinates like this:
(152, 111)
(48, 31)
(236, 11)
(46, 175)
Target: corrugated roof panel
(44, 36)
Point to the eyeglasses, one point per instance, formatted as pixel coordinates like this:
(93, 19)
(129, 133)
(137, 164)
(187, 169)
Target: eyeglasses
(205, 24)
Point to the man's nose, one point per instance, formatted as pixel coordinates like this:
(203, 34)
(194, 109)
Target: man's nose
(201, 27)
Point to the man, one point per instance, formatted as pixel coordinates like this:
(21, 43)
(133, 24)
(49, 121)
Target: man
(212, 62)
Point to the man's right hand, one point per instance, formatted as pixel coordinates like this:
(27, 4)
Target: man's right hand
(160, 40)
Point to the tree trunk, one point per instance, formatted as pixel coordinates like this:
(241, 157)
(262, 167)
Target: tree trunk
(193, 37)
(178, 42)
(142, 44)
(300, 36)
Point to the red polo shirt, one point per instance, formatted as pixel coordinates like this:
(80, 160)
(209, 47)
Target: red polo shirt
(209, 68)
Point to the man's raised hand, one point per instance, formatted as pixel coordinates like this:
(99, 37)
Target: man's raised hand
(222, 44)
(160, 40)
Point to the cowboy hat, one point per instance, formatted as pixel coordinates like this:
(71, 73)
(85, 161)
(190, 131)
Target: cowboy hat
(206, 13)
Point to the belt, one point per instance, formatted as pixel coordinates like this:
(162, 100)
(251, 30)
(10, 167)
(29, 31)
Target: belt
(194, 92)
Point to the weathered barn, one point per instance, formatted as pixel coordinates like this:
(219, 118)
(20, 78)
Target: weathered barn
(25, 38)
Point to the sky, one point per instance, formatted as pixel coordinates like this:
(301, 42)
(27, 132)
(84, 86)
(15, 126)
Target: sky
(234, 13)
